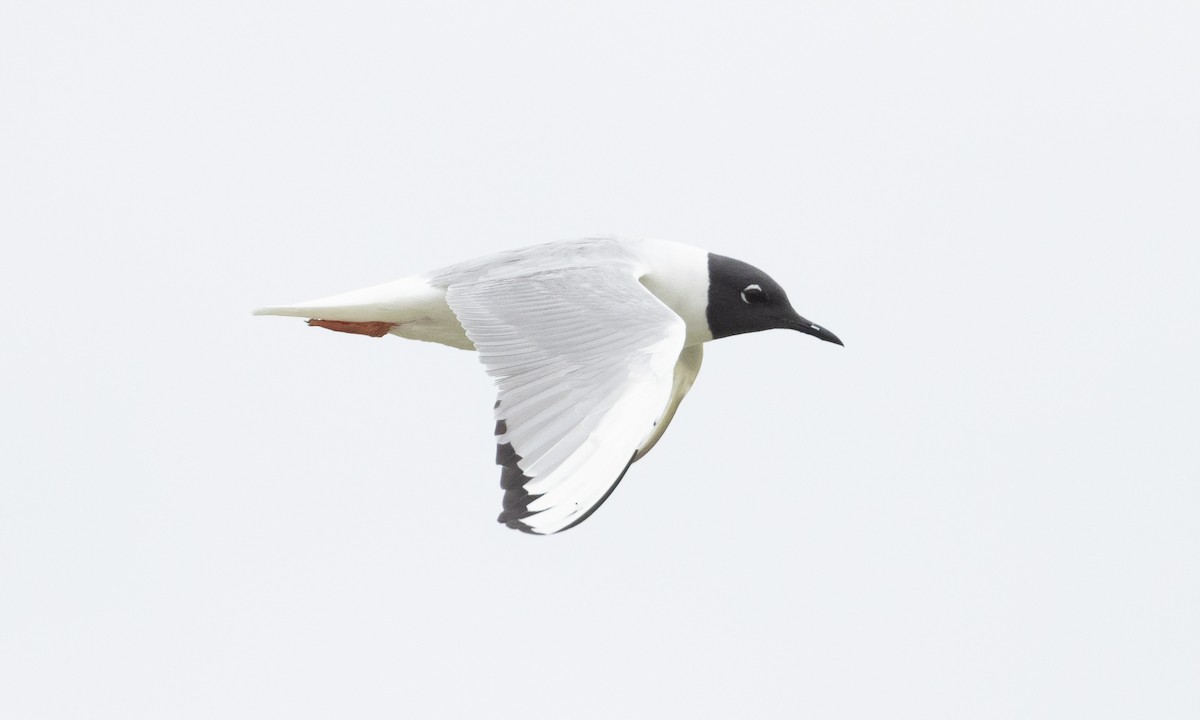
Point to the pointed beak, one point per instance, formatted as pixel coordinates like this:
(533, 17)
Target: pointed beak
(810, 328)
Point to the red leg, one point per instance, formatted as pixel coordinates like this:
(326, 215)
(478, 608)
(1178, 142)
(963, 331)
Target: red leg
(374, 329)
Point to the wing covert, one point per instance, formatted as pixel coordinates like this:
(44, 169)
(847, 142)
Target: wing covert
(583, 358)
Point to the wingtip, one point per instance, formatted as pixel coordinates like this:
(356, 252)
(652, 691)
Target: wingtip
(273, 310)
(516, 524)
(285, 311)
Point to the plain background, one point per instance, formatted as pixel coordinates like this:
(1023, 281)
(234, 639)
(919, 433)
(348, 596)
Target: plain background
(984, 506)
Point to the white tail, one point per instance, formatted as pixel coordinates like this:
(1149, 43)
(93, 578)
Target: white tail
(411, 305)
(394, 302)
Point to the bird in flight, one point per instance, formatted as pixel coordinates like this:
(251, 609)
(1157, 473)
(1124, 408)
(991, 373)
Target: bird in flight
(592, 345)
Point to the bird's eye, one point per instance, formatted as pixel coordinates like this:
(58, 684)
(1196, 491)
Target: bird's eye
(753, 294)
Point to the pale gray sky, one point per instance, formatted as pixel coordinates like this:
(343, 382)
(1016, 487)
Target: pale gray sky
(985, 506)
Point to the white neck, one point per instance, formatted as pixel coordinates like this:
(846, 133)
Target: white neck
(678, 275)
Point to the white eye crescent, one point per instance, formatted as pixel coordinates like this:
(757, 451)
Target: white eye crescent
(752, 294)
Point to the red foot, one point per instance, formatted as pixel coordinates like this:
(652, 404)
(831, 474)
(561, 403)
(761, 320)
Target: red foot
(374, 329)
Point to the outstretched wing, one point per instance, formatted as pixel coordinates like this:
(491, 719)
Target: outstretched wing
(584, 359)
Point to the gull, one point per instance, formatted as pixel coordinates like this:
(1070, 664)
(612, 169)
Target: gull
(592, 345)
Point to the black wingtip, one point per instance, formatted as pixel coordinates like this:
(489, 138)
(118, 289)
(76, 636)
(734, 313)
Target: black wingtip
(512, 481)
(517, 499)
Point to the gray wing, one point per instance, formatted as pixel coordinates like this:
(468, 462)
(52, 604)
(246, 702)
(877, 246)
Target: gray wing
(584, 361)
